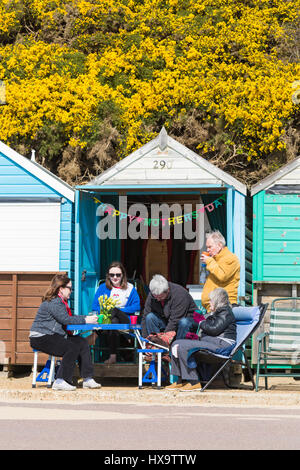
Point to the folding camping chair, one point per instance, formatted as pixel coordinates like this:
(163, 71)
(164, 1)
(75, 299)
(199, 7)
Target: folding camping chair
(248, 320)
(284, 340)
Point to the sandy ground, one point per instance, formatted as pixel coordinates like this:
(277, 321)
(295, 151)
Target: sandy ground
(283, 392)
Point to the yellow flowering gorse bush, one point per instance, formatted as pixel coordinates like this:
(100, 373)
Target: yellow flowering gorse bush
(147, 64)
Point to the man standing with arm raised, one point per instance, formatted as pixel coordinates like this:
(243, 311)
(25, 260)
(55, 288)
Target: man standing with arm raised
(223, 267)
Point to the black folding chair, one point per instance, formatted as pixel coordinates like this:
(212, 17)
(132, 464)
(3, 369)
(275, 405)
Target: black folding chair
(248, 320)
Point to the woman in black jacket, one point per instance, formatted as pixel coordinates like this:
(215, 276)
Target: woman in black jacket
(48, 334)
(217, 334)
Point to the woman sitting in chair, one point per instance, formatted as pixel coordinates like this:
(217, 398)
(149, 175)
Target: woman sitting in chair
(48, 334)
(217, 334)
(118, 288)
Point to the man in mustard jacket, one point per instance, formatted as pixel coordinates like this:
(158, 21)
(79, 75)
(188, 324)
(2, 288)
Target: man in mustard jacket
(223, 267)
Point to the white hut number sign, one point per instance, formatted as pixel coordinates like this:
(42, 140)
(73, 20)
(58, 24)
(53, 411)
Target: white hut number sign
(162, 164)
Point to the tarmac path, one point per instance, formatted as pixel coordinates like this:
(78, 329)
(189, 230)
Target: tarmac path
(69, 426)
(121, 417)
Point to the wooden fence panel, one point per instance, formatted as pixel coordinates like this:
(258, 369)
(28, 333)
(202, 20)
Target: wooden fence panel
(5, 312)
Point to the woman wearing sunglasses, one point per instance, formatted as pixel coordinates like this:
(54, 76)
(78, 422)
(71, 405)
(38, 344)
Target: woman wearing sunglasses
(48, 334)
(118, 288)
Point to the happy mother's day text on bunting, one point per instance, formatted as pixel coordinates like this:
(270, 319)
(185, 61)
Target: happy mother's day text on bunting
(109, 209)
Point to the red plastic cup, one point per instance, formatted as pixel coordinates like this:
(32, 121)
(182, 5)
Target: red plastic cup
(133, 319)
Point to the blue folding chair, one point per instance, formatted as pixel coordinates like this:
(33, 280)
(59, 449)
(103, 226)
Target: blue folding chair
(248, 320)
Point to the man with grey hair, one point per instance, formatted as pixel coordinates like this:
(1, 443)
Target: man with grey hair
(168, 307)
(223, 267)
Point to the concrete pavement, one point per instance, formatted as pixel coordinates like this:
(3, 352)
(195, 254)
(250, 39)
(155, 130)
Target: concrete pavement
(119, 416)
(283, 392)
(146, 427)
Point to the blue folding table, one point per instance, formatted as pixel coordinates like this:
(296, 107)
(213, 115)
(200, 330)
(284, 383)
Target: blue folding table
(110, 326)
(136, 332)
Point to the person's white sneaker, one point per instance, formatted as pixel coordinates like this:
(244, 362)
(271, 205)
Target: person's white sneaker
(61, 384)
(90, 383)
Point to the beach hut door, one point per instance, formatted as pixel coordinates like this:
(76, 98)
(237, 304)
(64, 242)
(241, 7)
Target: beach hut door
(87, 253)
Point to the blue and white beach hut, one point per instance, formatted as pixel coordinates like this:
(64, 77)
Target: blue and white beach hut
(162, 171)
(36, 216)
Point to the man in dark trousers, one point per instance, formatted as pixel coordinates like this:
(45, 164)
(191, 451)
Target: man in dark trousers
(168, 307)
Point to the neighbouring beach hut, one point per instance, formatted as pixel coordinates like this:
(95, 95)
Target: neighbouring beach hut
(276, 237)
(36, 241)
(162, 172)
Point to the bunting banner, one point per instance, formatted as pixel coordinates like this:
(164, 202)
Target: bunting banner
(109, 209)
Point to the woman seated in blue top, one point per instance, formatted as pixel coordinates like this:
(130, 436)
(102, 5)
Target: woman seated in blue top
(118, 288)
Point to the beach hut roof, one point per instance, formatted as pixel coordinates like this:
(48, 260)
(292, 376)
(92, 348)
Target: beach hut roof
(288, 174)
(183, 167)
(39, 172)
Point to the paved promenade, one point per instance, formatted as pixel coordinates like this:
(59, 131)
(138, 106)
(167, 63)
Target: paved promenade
(283, 392)
(120, 417)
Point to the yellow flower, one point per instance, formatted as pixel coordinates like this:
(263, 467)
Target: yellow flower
(137, 64)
